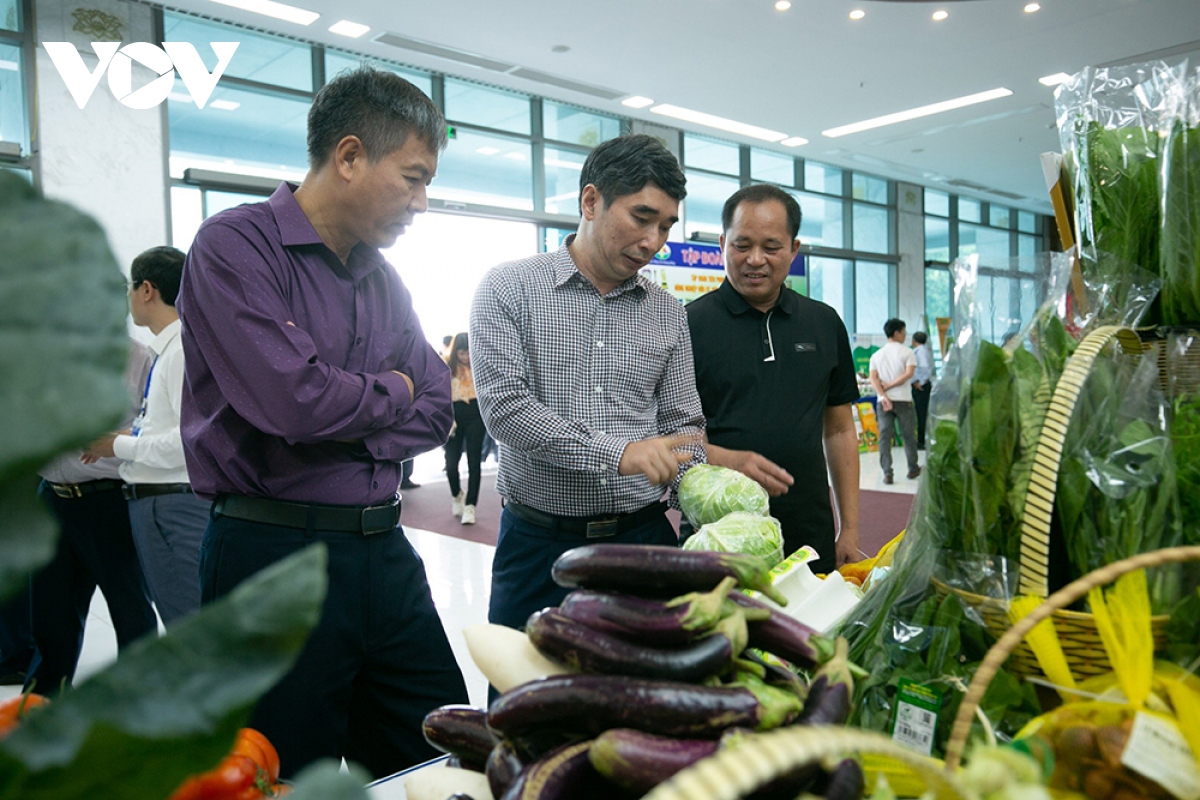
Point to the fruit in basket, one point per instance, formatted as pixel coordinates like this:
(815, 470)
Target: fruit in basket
(14, 709)
(708, 492)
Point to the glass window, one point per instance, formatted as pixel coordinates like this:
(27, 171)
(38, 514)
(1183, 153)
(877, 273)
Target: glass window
(556, 237)
(991, 245)
(490, 170)
(706, 196)
(871, 229)
(831, 281)
(704, 153)
(937, 240)
(238, 131)
(937, 295)
(337, 61)
(822, 178)
(1029, 299)
(562, 180)
(873, 190)
(999, 216)
(10, 15)
(216, 201)
(998, 307)
(969, 210)
(937, 203)
(820, 220)
(873, 293)
(772, 167)
(1026, 222)
(186, 215)
(1027, 246)
(12, 97)
(569, 124)
(262, 58)
(491, 108)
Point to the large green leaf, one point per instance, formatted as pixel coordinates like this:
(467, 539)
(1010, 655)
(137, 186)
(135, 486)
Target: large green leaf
(63, 347)
(169, 707)
(324, 780)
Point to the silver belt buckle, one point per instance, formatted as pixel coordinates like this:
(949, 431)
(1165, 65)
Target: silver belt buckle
(602, 528)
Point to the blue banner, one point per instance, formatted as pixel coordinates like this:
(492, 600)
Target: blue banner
(703, 256)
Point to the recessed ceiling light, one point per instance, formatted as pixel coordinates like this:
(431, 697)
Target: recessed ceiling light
(914, 113)
(783, 5)
(347, 28)
(270, 8)
(487, 151)
(637, 101)
(560, 48)
(857, 13)
(515, 155)
(1032, 7)
(225, 105)
(720, 123)
(794, 141)
(1055, 79)
(938, 16)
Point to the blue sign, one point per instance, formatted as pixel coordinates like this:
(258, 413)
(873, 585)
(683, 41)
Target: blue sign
(704, 256)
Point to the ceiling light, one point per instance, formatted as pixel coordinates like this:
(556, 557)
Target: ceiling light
(720, 123)
(1032, 7)
(270, 8)
(515, 155)
(794, 141)
(225, 105)
(857, 13)
(914, 113)
(487, 151)
(637, 101)
(347, 28)
(938, 16)
(783, 5)
(1055, 79)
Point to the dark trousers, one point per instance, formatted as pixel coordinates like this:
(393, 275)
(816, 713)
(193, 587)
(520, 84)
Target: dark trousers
(904, 414)
(921, 403)
(95, 548)
(468, 437)
(375, 665)
(16, 638)
(521, 582)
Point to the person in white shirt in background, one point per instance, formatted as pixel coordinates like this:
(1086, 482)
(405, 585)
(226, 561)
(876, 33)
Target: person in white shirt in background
(168, 521)
(922, 382)
(892, 367)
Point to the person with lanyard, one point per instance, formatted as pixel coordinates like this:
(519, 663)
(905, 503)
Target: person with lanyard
(584, 373)
(309, 383)
(922, 383)
(468, 432)
(95, 549)
(776, 377)
(168, 520)
(892, 368)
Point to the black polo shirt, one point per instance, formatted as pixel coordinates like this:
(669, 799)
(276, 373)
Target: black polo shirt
(765, 381)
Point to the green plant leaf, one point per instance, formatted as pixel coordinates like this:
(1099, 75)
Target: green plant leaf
(169, 707)
(63, 347)
(324, 780)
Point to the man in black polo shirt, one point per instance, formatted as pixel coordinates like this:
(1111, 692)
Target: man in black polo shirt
(776, 379)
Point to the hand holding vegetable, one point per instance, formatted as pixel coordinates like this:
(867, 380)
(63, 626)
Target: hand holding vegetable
(658, 459)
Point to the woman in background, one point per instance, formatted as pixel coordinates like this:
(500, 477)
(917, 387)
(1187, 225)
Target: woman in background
(468, 431)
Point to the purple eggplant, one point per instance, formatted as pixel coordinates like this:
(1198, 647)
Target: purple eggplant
(584, 649)
(845, 782)
(591, 704)
(658, 571)
(640, 761)
(654, 622)
(503, 766)
(783, 636)
(830, 691)
(565, 774)
(461, 731)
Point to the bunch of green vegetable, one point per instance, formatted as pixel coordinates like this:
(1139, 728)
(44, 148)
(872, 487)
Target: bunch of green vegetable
(1180, 248)
(741, 532)
(708, 492)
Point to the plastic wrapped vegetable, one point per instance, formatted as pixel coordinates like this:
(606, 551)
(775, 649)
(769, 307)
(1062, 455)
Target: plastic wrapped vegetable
(741, 532)
(707, 493)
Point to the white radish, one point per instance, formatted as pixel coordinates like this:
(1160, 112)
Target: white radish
(438, 783)
(506, 657)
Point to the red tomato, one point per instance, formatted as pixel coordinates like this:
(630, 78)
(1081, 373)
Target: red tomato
(253, 744)
(14, 709)
(233, 779)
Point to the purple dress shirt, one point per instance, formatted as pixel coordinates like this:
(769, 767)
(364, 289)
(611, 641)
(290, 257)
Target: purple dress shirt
(289, 391)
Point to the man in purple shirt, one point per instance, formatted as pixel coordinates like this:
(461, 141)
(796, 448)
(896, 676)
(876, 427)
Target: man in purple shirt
(308, 382)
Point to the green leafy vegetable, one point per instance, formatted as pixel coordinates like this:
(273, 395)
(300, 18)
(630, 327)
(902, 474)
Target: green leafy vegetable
(741, 532)
(1181, 223)
(708, 492)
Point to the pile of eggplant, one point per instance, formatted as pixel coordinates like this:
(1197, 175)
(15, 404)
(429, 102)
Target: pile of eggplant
(668, 662)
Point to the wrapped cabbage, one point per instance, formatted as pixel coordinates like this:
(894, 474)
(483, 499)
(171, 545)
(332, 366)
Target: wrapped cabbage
(707, 493)
(741, 532)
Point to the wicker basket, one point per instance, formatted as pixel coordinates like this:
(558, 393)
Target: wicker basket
(1052, 606)
(1076, 630)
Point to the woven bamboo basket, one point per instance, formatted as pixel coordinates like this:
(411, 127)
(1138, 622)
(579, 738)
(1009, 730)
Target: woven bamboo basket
(1076, 630)
(1054, 604)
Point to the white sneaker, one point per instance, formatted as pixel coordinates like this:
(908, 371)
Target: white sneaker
(468, 515)
(457, 507)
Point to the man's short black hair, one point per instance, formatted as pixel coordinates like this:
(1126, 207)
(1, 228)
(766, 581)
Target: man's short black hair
(379, 107)
(892, 326)
(625, 164)
(920, 337)
(762, 193)
(162, 268)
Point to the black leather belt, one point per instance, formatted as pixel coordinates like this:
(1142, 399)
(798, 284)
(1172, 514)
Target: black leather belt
(138, 491)
(69, 491)
(352, 519)
(590, 527)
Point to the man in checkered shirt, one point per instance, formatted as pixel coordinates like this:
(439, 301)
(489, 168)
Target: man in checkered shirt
(584, 373)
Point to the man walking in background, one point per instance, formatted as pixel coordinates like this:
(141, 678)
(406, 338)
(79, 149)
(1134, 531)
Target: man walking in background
(892, 367)
(922, 383)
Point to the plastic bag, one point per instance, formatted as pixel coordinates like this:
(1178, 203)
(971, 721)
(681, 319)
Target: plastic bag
(708, 492)
(741, 532)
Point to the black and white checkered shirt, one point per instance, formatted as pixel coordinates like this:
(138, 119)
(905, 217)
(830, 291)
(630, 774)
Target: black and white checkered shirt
(567, 377)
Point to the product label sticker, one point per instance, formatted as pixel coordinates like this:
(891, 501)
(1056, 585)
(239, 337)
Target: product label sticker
(917, 707)
(1157, 750)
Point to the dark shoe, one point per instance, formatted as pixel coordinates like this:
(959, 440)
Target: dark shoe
(409, 485)
(888, 479)
(914, 473)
